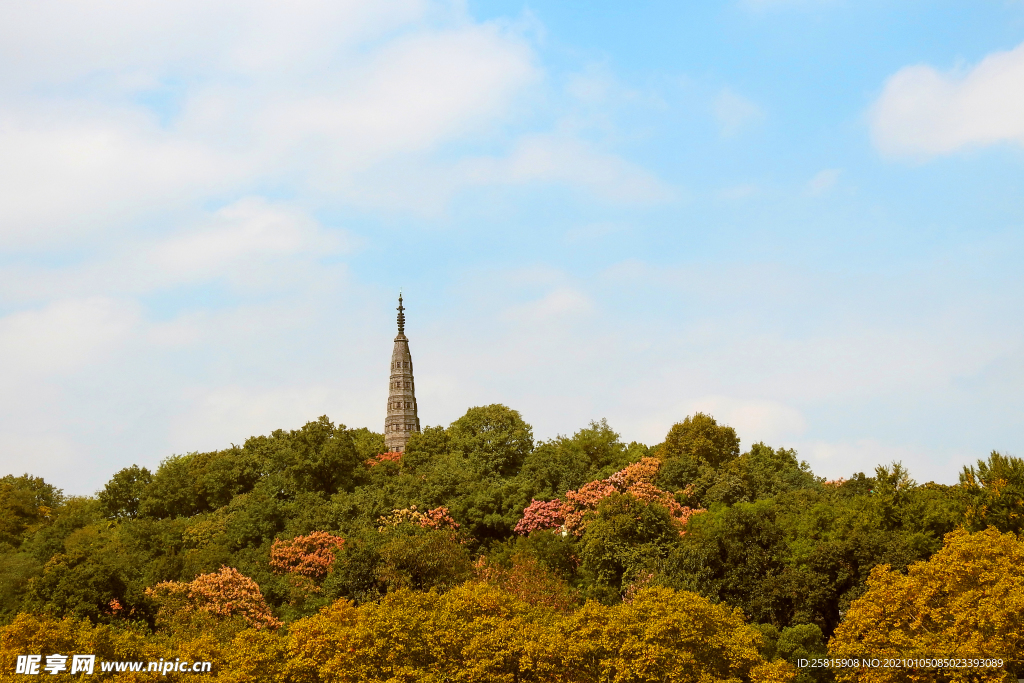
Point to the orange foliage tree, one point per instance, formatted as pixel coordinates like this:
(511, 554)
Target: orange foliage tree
(390, 456)
(225, 593)
(312, 555)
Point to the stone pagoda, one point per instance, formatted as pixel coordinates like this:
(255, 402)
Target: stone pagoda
(402, 419)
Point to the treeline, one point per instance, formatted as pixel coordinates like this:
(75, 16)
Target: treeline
(479, 524)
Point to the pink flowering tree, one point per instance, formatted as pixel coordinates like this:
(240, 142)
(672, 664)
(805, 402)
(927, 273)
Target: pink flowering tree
(572, 514)
(540, 514)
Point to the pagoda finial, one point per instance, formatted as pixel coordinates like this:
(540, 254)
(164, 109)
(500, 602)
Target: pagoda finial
(401, 314)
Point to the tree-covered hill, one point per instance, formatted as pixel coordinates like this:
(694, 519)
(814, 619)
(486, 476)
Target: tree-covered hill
(308, 523)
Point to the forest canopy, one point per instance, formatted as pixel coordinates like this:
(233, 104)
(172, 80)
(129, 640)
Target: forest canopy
(314, 555)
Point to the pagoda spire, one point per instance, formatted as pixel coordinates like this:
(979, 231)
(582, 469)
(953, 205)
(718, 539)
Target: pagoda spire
(402, 418)
(401, 314)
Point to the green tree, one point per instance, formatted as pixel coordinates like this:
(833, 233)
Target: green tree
(93, 570)
(422, 559)
(121, 496)
(793, 643)
(26, 503)
(624, 542)
(367, 443)
(567, 463)
(701, 439)
(804, 555)
(738, 555)
(424, 447)
(470, 468)
(695, 454)
(318, 457)
(16, 570)
(495, 436)
(255, 518)
(994, 493)
(174, 490)
(72, 514)
(356, 573)
(558, 553)
(768, 472)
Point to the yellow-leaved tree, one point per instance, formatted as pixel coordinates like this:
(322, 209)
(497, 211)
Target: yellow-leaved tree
(478, 633)
(965, 602)
(474, 633)
(39, 634)
(665, 635)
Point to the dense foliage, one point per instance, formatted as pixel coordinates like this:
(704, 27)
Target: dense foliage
(967, 600)
(495, 557)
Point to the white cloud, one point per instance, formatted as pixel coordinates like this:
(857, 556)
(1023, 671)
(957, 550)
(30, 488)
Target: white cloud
(860, 451)
(414, 94)
(758, 419)
(556, 305)
(56, 41)
(113, 389)
(251, 245)
(572, 162)
(56, 458)
(823, 181)
(773, 352)
(64, 336)
(152, 110)
(218, 415)
(96, 172)
(593, 86)
(735, 112)
(754, 419)
(924, 112)
(845, 354)
(184, 331)
(241, 239)
(532, 160)
(740, 192)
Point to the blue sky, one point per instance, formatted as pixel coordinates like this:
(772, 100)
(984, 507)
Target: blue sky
(801, 216)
